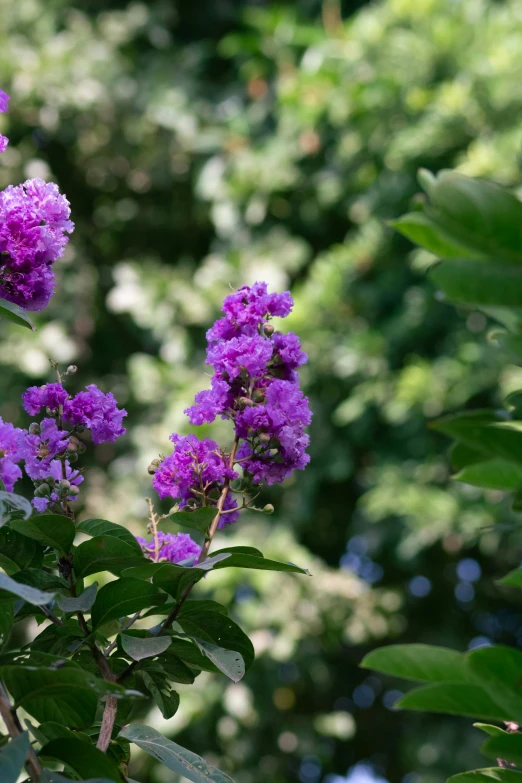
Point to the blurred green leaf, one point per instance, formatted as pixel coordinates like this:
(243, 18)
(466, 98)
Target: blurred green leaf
(419, 662)
(84, 759)
(101, 527)
(12, 758)
(454, 698)
(80, 604)
(11, 312)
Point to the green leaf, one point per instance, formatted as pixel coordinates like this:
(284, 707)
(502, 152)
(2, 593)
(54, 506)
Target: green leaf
(166, 699)
(493, 731)
(241, 559)
(6, 621)
(478, 214)
(49, 776)
(513, 579)
(505, 746)
(46, 732)
(417, 227)
(123, 597)
(11, 503)
(181, 761)
(12, 758)
(50, 530)
(492, 438)
(487, 775)
(29, 594)
(18, 552)
(101, 527)
(105, 553)
(140, 648)
(219, 630)
(418, 662)
(453, 698)
(205, 605)
(493, 474)
(83, 759)
(227, 661)
(497, 670)
(199, 519)
(188, 652)
(80, 604)
(474, 282)
(14, 313)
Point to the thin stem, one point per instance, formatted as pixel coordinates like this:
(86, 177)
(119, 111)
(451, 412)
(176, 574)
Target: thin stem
(203, 554)
(48, 613)
(154, 522)
(125, 627)
(109, 716)
(14, 727)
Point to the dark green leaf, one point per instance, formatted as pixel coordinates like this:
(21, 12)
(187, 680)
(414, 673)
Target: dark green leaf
(12, 758)
(46, 732)
(181, 761)
(488, 728)
(50, 530)
(241, 559)
(81, 604)
(191, 606)
(492, 438)
(497, 670)
(418, 662)
(199, 519)
(140, 648)
(166, 699)
(123, 597)
(424, 232)
(493, 474)
(6, 621)
(14, 313)
(49, 776)
(18, 552)
(83, 759)
(505, 746)
(188, 652)
(219, 630)
(513, 579)
(454, 698)
(29, 594)
(101, 527)
(227, 661)
(479, 282)
(105, 553)
(487, 775)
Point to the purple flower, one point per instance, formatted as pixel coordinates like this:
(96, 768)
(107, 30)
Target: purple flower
(287, 348)
(211, 402)
(51, 396)
(98, 412)
(246, 309)
(34, 221)
(4, 101)
(194, 466)
(174, 548)
(12, 449)
(229, 519)
(59, 470)
(251, 354)
(40, 450)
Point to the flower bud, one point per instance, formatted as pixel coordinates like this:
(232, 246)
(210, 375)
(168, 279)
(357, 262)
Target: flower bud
(52, 414)
(73, 491)
(258, 396)
(269, 330)
(268, 509)
(72, 448)
(245, 402)
(34, 428)
(81, 447)
(64, 484)
(72, 368)
(72, 457)
(43, 491)
(265, 437)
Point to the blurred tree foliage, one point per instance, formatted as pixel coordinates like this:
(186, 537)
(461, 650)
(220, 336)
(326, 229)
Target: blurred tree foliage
(213, 144)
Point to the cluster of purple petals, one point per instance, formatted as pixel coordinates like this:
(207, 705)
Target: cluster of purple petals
(59, 470)
(4, 105)
(246, 309)
(194, 466)
(11, 453)
(174, 548)
(42, 448)
(91, 409)
(34, 223)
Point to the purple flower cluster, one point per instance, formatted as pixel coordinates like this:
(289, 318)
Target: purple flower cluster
(256, 386)
(174, 548)
(48, 448)
(34, 221)
(4, 105)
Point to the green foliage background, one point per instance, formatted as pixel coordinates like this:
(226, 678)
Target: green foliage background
(213, 144)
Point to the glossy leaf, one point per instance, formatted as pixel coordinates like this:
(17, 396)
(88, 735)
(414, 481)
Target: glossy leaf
(13, 757)
(166, 700)
(497, 670)
(50, 530)
(105, 553)
(418, 662)
(418, 227)
(181, 761)
(101, 527)
(492, 474)
(85, 760)
(11, 503)
(487, 776)
(82, 603)
(18, 552)
(454, 698)
(492, 438)
(123, 597)
(199, 519)
(505, 746)
(219, 630)
(479, 282)
(242, 559)
(12, 312)
(139, 648)
(29, 594)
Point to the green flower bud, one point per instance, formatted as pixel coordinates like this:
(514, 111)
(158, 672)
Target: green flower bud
(34, 428)
(269, 330)
(73, 490)
(269, 509)
(72, 457)
(43, 491)
(265, 437)
(64, 484)
(258, 396)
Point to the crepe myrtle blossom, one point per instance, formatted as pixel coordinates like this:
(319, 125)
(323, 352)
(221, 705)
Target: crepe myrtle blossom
(11, 452)
(175, 548)
(255, 386)
(34, 223)
(66, 481)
